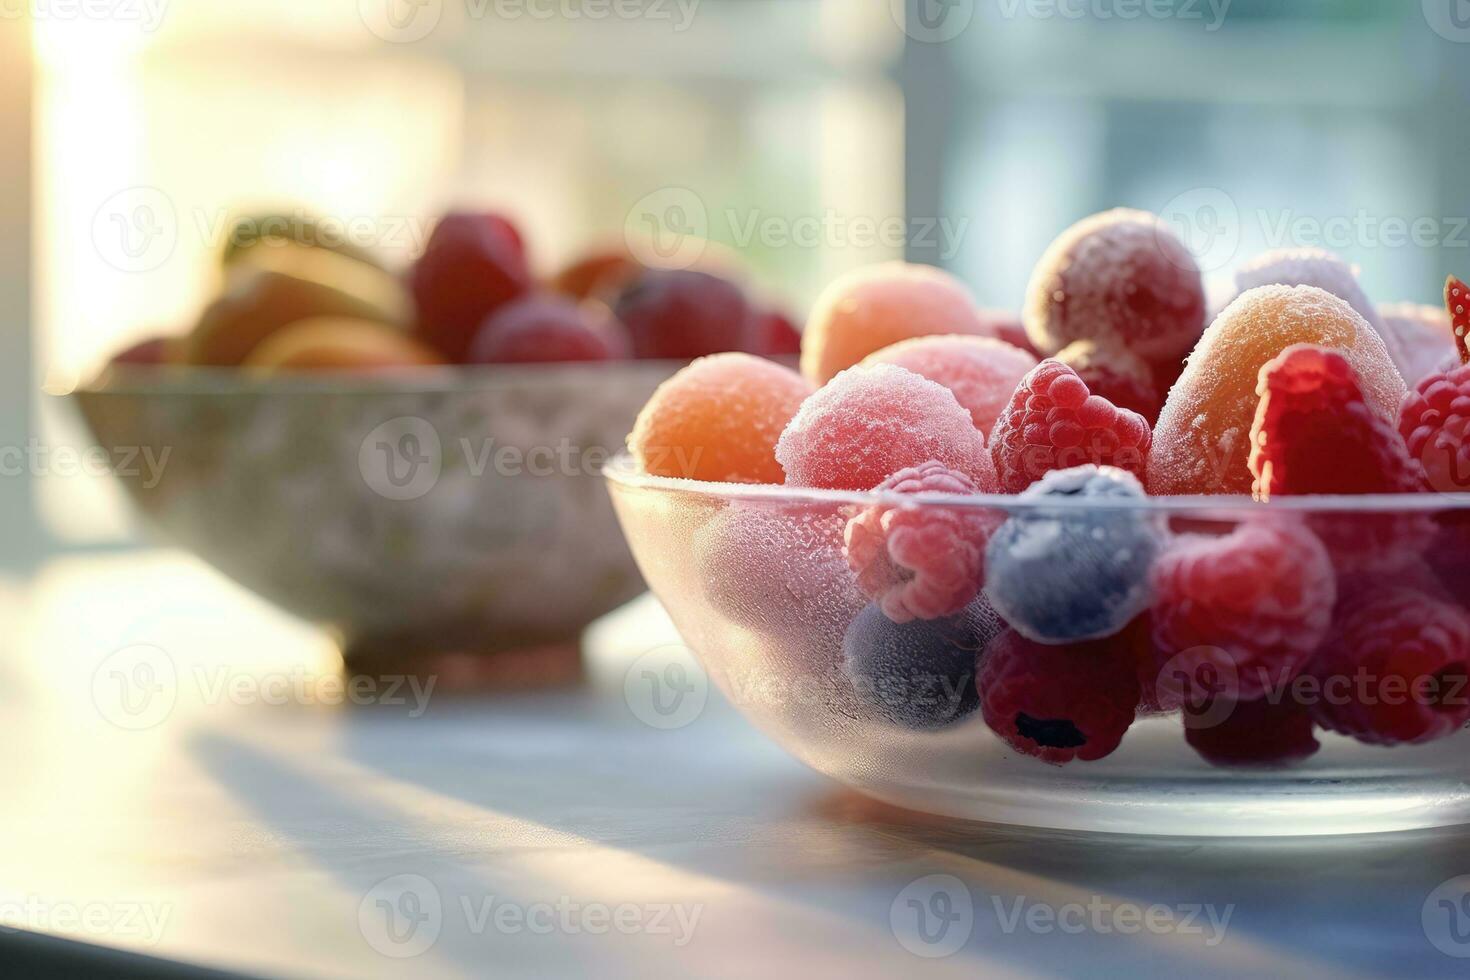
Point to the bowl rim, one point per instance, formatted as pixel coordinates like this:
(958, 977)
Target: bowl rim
(194, 380)
(620, 471)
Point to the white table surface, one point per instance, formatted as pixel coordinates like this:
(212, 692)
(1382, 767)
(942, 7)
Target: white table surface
(209, 825)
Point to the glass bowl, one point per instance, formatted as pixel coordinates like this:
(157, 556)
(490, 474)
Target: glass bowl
(756, 580)
(454, 511)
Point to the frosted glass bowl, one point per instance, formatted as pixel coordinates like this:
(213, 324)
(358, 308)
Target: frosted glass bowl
(769, 613)
(443, 511)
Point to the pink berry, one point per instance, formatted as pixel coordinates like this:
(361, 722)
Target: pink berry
(473, 265)
(870, 422)
(1243, 612)
(543, 327)
(1055, 423)
(980, 371)
(775, 335)
(680, 314)
(1121, 278)
(1116, 374)
(920, 562)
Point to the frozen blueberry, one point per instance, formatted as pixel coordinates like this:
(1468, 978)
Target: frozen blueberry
(1076, 572)
(919, 674)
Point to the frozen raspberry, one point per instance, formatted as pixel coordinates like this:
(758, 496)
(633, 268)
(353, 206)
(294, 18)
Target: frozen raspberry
(1315, 433)
(1435, 424)
(1256, 733)
(920, 562)
(774, 335)
(1248, 609)
(1055, 423)
(1057, 703)
(1078, 570)
(1457, 302)
(543, 328)
(718, 420)
(919, 674)
(473, 265)
(1395, 669)
(1122, 278)
(679, 314)
(981, 371)
(870, 422)
(1117, 375)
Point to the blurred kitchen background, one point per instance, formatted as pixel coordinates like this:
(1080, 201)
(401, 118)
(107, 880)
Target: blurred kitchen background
(809, 135)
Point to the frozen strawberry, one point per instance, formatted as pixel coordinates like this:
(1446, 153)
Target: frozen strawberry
(1457, 301)
(1055, 423)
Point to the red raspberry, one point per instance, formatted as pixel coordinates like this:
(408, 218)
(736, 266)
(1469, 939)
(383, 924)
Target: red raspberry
(1243, 612)
(1435, 424)
(1116, 374)
(1457, 301)
(920, 563)
(1256, 733)
(1395, 669)
(1058, 703)
(1055, 423)
(1314, 433)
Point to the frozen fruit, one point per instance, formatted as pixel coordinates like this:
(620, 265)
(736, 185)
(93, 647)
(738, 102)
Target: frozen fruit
(597, 274)
(1116, 374)
(678, 314)
(474, 263)
(1248, 608)
(920, 562)
(1007, 326)
(1327, 271)
(1053, 422)
(870, 422)
(542, 327)
(1256, 734)
(1201, 443)
(1423, 335)
(1457, 304)
(982, 372)
(1314, 433)
(774, 335)
(880, 305)
(919, 674)
(1057, 703)
(328, 344)
(778, 568)
(718, 419)
(1121, 278)
(1078, 569)
(1394, 669)
(1435, 425)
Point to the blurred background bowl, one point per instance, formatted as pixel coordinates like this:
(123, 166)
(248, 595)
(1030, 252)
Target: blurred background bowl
(438, 512)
